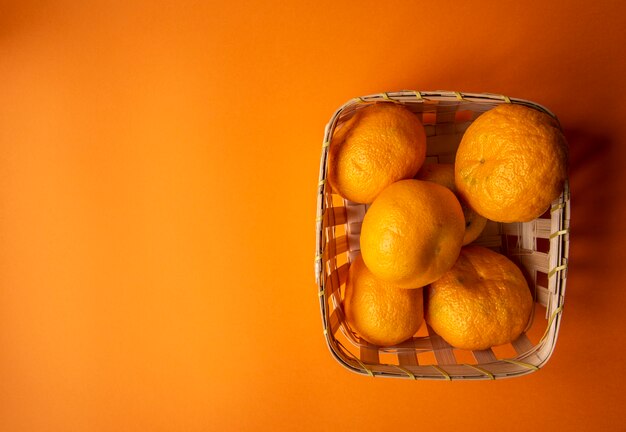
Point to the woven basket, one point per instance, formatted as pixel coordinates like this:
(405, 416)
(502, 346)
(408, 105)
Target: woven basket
(540, 248)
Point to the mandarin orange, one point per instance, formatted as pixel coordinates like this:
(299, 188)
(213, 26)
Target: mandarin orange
(412, 233)
(511, 163)
(443, 174)
(482, 301)
(382, 143)
(380, 312)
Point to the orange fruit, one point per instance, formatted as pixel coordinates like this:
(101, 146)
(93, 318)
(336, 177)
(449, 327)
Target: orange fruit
(382, 143)
(482, 301)
(511, 163)
(378, 311)
(443, 174)
(412, 233)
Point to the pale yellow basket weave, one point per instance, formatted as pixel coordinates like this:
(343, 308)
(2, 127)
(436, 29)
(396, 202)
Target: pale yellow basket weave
(539, 247)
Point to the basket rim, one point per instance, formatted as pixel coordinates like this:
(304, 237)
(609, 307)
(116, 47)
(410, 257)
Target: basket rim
(436, 95)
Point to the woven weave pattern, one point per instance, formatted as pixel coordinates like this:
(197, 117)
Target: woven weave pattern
(539, 247)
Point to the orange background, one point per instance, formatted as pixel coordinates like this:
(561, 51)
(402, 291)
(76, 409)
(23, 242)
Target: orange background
(158, 173)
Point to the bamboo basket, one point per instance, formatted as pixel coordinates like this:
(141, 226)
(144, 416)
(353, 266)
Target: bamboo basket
(539, 248)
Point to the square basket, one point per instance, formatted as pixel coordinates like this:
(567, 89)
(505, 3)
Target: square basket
(539, 248)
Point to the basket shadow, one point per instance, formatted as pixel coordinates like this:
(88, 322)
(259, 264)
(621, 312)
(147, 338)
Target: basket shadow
(593, 170)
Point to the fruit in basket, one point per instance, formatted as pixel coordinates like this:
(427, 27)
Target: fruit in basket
(378, 311)
(443, 174)
(511, 163)
(380, 144)
(412, 233)
(482, 301)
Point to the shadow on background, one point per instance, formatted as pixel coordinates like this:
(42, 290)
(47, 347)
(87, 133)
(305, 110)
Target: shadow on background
(20, 18)
(593, 170)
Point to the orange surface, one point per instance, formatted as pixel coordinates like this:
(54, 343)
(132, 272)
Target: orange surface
(158, 172)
